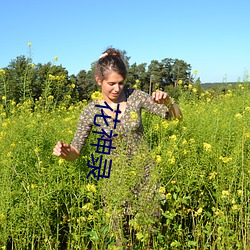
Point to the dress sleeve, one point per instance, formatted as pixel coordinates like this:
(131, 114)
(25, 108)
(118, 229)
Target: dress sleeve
(84, 127)
(151, 106)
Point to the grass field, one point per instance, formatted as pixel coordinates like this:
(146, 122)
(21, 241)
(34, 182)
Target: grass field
(202, 167)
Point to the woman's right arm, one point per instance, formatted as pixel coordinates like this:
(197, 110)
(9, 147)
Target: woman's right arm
(66, 151)
(70, 152)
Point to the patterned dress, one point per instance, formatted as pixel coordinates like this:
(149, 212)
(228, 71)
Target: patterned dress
(130, 127)
(138, 189)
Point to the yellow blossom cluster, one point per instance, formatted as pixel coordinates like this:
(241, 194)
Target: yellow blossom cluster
(56, 78)
(96, 96)
(2, 72)
(133, 116)
(207, 147)
(225, 159)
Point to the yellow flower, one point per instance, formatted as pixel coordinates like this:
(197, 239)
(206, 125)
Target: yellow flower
(180, 82)
(61, 161)
(96, 96)
(194, 90)
(246, 108)
(2, 72)
(225, 159)
(91, 188)
(2, 217)
(162, 190)
(168, 196)
(247, 135)
(164, 124)
(133, 116)
(156, 127)
(238, 116)
(171, 160)
(56, 58)
(239, 192)
(3, 97)
(198, 212)
(73, 85)
(135, 86)
(190, 86)
(173, 137)
(137, 81)
(235, 207)
(191, 140)
(29, 44)
(225, 193)
(87, 207)
(195, 71)
(37, 149)
(51, 77)
(207, 147)
(212, 175)
(158, 159)
(50, 97)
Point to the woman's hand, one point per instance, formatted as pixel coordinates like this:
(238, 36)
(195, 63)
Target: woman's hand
(161, 97)
(65, 151)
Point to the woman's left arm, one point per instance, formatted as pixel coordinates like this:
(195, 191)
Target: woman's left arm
(161, 97)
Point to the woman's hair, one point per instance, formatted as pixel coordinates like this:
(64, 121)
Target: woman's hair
(110, 60)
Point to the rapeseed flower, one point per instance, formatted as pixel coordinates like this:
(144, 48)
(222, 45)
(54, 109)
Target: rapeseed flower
(173, 137)
(56, 58)
(225, 193)
(29, 44)
(2, 72)
(198, 212)
(158, 159)
(133, 116)
(162, 190)
(235, 207)
(171, 160)
(91, 188)
(238, 116)
(239, 192)
(180, 82)
(225, 159)
(164, 124)
(96, 96)
(168, 196)
(2, 217)
(207, 147)
(212, 175)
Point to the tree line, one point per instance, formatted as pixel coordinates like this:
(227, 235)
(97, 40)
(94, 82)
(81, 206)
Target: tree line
(22, 79)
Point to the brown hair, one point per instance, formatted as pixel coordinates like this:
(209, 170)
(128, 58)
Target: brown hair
(110, 60)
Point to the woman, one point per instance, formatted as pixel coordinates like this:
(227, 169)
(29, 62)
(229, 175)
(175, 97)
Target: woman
(123, 118)
(110, 74)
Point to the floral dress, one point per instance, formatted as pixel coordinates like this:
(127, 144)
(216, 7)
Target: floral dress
(138, 190)
(130, 128)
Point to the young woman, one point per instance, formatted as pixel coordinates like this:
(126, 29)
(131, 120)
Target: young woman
(110, 74)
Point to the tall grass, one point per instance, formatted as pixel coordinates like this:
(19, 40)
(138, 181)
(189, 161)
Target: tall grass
(201, 168)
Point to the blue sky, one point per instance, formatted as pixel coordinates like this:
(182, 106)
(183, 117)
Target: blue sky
(212, 36)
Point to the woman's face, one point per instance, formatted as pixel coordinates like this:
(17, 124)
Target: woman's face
(112, 86)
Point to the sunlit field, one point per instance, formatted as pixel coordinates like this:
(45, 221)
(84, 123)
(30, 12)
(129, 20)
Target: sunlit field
(201, 168)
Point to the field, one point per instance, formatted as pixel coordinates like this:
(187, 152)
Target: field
(202, 169)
